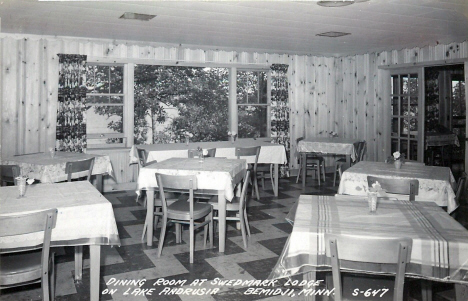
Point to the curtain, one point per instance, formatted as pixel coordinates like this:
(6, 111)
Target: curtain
(280, 110)
(71, 107)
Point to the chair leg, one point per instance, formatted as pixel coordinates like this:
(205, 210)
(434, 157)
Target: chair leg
(211, 229)
(243, 230)
(299, 173)
(247, 222)
(52, 276)
(178, 233)
(334, 176)
(205, 233)
(192, 240)
(161, 237)
(323, 171)
(317, 170)
(256, 188)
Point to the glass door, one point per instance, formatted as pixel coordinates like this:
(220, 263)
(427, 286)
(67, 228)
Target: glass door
(407, 110)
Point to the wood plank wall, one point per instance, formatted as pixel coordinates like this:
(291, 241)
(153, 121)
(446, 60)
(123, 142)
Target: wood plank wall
(342, 94)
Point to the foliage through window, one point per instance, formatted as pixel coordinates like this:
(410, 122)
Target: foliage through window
(252, 103)
(104, 105)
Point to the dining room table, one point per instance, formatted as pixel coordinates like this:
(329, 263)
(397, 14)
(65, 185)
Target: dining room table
(78, 204)
(49, 168)
(436, 183)
(215, 176)
(270, 152)
(440, 244)
(329, 146)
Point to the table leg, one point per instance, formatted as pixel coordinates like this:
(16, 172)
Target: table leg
(461, 292)
(149, 217)
(276, 178)
(304, 171)
(222, 220)
(95, 263)
(78, 263)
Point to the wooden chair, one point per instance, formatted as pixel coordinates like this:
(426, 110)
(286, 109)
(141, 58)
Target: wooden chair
(192, 153)
(211, 152)
(242, 152)
(313, 162)
(8, 173)
(143, 158)
(27, 262)
(397, 186)
(238, 205)
(79, 166)
(361, 149)
(183, 212)
(394, 252)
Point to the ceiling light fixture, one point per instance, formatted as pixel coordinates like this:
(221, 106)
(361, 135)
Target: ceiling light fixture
(333, 34)
(335, 3)
(135, 16)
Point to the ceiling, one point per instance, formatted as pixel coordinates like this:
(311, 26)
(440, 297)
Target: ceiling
(263, 26)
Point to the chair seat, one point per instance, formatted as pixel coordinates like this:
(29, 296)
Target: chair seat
(180, 210)
(20, 267)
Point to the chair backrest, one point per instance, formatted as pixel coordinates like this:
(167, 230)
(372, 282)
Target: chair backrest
(12, 225)
(362, 150)
(397, 186)
(8, 173)
(79, 166)
(176, 183)
(248, 152)
(211, 152)
(460, 187)
(299, 139)
(192, 153)
(142, 157)
(396, 251)
(414, 163)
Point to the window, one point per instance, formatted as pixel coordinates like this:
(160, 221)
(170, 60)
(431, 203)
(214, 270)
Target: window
(405, 117)
(252, 103)
(173, 101)
(105, 105)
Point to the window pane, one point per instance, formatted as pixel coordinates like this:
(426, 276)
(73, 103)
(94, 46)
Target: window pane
(395, 146)
(395, 106)
(395, 126)
(404, 84)
(252, 87)
(116, 79)
(104, 119)
(394, 85)
(413, 84)
(252, 121)
(413, 150)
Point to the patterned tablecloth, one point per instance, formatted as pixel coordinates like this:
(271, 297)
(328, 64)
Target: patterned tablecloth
(435, 183)
(78, 204)
(270, 153)
(440, 244)
(42, 167)
(437, 139)
(213, 173)
(328, 145)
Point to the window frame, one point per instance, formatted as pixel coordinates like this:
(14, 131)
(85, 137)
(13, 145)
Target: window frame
(125, 109)
(267, 105)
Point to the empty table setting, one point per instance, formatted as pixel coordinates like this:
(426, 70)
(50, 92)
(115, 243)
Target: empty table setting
(215, 176)
(435, 183)
(84, 218)
(50, 167)
(270, 153)
(439, 243)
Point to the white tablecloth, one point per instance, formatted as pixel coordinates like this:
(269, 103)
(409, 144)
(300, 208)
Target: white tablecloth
(85, 217)
(440, 244)
(42, 167)
(270, 153)
(328, 145)
(435, 183)
(213, 173)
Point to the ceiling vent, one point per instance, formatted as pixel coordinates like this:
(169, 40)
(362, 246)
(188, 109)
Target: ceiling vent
(135, 16)
(333, 34)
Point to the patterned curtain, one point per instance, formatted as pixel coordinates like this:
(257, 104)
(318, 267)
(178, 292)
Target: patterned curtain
(71, 108)
(280, 109)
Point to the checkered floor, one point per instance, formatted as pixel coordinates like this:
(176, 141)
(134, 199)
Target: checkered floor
(133, 260)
